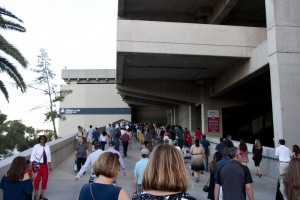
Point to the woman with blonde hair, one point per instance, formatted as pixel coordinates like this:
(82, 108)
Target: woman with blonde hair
(165, 176)
(257, 156)
(106, 168)
(291, 180)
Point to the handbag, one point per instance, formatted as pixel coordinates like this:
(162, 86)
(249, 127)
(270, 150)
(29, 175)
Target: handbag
(206, 187)
(35, 166)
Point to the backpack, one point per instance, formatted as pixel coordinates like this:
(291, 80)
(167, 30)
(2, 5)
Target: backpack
(117, 133)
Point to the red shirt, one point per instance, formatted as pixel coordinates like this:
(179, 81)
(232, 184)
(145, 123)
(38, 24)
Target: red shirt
(198, 134)
(125, 137)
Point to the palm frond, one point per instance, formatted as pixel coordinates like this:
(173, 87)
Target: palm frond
(10, 69)
(9, 25)
(3, 11)
(4, 91)
(9, 49)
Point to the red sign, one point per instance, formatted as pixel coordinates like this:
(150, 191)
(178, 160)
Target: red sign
(213, 121)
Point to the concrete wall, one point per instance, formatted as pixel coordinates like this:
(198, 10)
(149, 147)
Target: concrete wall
(150, 114)
(183, 115)
(90, 96)
(60, 149)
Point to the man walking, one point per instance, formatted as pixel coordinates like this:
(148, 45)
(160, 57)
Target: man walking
(90, 160)
(283, 153)
(234, 178)
(81, 151)
(125, 140)
(111, 148)
(206, 145)
(139, 169)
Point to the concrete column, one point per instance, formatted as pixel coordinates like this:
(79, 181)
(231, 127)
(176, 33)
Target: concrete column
(283, 30)
(190, 118)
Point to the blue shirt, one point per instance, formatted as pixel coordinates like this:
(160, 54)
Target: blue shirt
(205, 145)
(100, 191)
(139, 169)
(21, 190)
(219, 166)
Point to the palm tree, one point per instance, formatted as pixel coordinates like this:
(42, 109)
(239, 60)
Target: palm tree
(8, 49)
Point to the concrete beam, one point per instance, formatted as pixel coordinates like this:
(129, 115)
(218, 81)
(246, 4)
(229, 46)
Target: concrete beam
(149, 103)
(176, 90)
(124, 93)
(243, 70)
(135, 36)
(221, 10)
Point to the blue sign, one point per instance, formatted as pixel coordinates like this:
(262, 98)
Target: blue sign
(95, 111)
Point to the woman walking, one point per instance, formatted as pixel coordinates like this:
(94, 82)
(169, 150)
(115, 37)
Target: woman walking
(257, 156)
(244, 152)
(103, 139)
(212, 165)
(198, 159)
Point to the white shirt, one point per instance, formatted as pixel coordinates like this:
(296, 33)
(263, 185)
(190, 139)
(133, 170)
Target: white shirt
(103, 138)
(283, 153)
(37, 153)
(90, 133)
(91, 159)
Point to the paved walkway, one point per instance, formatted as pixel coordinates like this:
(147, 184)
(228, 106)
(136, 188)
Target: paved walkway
(62, 185)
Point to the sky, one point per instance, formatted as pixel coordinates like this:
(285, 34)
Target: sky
(76, 35)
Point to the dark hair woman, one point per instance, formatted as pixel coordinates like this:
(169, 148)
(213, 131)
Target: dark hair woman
(198, 159)
(41, 162)
(257, 156)
(212, 165)
(244, 151)
(16, 184)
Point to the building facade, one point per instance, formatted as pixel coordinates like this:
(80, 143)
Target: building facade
(94, 100)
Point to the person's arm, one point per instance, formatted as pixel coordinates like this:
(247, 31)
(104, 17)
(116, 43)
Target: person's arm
(249, 190)
(48, 154)
(123, 195)
(33, 153)
(135, 183)
(122, 164)
(217, 191)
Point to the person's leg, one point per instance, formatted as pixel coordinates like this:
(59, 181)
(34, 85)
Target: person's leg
(78, 162)
(126, 147)
(37, 183)
(206, 163)
(44, 169)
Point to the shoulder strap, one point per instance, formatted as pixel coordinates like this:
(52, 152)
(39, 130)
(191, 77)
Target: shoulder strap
(91, 191)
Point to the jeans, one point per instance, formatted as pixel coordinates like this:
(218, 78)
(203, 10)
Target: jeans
(125, 147)
(206, 162)
(80, 162)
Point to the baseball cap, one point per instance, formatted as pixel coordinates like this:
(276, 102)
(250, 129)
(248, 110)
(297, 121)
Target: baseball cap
(144, 152)
(112, 143)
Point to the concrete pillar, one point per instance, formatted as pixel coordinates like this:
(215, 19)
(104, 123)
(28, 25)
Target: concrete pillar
(283, 30)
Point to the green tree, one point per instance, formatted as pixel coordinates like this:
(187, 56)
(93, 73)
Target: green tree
(45, 82)
(5, 65)
(15, 132)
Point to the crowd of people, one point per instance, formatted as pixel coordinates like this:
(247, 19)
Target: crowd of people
(161, 171)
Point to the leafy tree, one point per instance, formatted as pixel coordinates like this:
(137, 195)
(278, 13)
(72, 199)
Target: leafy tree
(5, 65)
(15, 132)
(45, 82)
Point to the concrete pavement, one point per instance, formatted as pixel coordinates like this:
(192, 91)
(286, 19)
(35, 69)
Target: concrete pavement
(62, 185)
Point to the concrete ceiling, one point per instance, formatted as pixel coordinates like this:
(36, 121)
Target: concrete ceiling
(230, 12)
(174, 67)
(133, 67)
